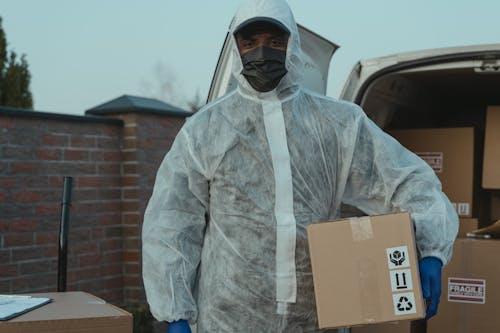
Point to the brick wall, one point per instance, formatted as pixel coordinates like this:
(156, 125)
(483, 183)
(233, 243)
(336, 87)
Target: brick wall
(113, 161)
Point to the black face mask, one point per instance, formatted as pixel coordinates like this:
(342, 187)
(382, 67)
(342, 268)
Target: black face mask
(263, 67)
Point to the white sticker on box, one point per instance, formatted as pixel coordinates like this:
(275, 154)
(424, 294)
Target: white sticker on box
(434, 159)
(397, 257)
(401, 280)
(404, 303)
(463, 208)
(466, 290)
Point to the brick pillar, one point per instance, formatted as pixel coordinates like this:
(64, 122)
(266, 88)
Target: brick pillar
(147, 137)
(151, 136)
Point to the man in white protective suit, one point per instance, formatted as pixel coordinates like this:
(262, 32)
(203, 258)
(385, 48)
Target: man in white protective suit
(224, 235)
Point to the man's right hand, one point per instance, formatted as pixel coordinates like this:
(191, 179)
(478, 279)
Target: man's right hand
(179, 326)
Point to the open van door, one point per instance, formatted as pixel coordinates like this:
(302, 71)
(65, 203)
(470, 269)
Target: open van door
(317, 50)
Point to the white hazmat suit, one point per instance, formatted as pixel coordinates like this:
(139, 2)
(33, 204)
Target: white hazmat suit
(224, 235)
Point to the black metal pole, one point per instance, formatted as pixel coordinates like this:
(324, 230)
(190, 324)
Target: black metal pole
(63, 234)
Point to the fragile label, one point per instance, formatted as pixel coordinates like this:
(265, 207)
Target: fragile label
(434, 159)
(401, 280)
(466, 290)
(404, 303)
(397, 257)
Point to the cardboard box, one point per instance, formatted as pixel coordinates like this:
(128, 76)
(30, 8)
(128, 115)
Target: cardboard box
(467, 225)
(450, 152)
(491, 231)
(365, 270)
(71, 312)
(416, 326)
(471, 289)
(495, 206)
(491, 157)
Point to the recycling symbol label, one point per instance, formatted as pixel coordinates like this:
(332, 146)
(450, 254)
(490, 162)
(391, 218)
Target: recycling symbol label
(397, 257)
(404, 303)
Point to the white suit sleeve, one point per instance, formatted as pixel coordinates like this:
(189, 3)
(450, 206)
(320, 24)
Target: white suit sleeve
(385, 177)
(172, 234)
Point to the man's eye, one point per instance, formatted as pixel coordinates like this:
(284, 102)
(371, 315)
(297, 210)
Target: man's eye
(246, 43)
(277, 42)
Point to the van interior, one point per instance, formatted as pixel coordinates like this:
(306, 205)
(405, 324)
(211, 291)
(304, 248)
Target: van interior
(452, 95)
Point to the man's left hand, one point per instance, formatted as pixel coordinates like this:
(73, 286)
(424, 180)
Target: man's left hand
(430, 275)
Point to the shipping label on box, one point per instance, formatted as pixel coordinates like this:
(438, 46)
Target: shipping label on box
(365, 270)
(466, 290)
(434, 159)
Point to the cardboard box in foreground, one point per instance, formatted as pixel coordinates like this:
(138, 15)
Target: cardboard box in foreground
(71, 312)
(471, 289)
(365, 271)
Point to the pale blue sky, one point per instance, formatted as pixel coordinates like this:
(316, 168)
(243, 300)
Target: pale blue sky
(83, 53)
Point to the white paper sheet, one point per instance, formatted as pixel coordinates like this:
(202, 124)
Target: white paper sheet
(14, 305)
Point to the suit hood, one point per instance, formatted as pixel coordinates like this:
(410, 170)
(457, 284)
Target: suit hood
(278, 11)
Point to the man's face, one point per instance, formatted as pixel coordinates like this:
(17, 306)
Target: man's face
(273, 38)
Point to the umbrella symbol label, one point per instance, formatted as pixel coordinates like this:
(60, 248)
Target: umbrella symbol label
(397, 257)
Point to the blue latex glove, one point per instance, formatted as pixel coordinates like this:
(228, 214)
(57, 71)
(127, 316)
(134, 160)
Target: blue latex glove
(430, 276)
(179, 326)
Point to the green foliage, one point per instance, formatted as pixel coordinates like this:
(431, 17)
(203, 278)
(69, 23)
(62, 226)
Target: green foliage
(14, 77)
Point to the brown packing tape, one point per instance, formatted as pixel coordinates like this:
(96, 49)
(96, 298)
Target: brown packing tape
(370, 301)
(361, 228)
